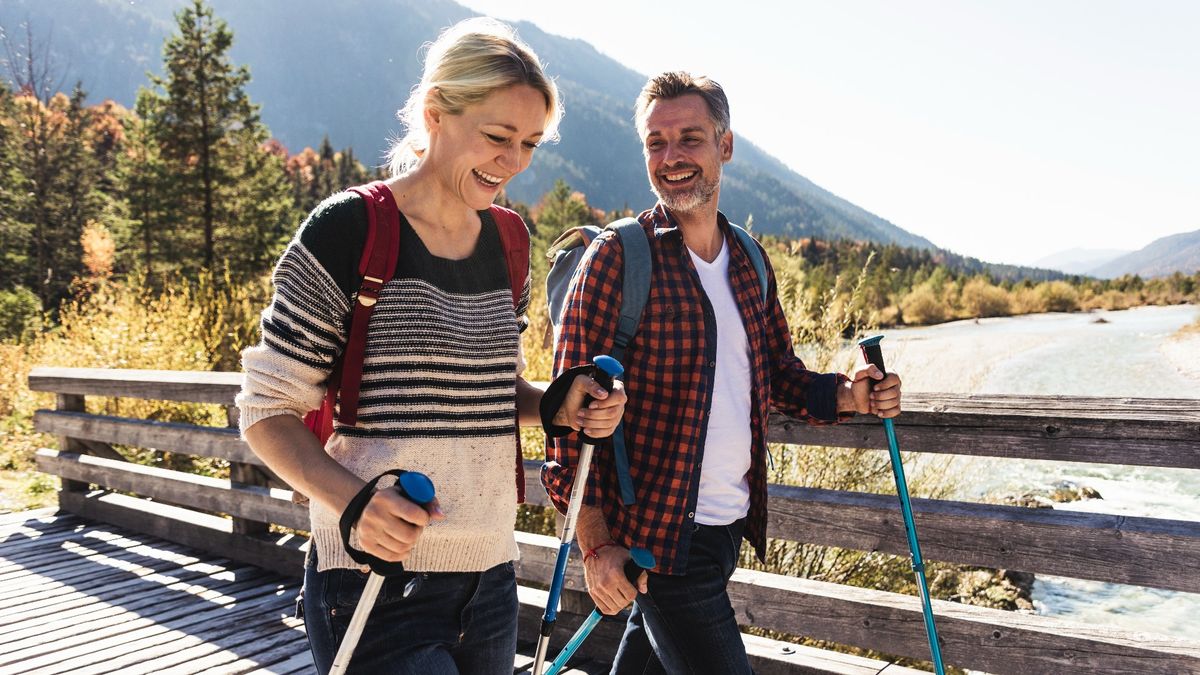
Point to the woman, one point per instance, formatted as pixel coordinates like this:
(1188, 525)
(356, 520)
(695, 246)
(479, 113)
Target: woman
(441, 377)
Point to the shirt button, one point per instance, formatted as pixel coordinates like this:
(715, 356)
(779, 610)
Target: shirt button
(691, 514)
(712, 364)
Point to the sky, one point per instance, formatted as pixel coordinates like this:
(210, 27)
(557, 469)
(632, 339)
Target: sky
(1000, 130)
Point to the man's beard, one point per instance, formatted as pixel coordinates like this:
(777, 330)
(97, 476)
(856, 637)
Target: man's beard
(685, 201)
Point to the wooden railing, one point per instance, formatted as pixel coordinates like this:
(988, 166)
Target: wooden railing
(232, 517)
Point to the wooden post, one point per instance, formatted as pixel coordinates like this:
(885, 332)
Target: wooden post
(245, 474)
(71, 403)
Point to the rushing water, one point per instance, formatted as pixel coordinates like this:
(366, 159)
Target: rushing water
(1133, 354)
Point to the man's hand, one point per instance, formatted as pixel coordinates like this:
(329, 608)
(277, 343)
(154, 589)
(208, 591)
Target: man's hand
(601, 417)
(606, 582)
(882, 401)
(391, 525)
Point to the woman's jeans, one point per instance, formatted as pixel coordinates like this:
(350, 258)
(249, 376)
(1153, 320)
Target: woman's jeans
(685, 623)
(454, 622)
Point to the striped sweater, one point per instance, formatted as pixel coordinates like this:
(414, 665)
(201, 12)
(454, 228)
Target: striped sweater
(438, 391)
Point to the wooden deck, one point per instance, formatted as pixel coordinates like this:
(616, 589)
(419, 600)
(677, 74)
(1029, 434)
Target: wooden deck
(83, 597)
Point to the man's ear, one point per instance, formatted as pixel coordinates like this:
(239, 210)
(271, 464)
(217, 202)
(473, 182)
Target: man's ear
(727, 146)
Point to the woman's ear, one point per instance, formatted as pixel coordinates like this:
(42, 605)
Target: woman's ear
(433, 116)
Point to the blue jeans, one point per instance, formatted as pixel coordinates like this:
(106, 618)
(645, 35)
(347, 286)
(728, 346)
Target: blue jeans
(685, 623)
(455, 622)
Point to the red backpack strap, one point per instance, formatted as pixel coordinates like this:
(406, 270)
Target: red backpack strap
(377, 267)
(514, 239)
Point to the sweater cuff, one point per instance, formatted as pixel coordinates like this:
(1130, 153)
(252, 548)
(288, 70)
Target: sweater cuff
(822, 397)
(247, 417)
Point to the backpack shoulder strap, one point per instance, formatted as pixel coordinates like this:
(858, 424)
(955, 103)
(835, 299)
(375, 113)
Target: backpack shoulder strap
(514, 239)
(746, 240)
(635, 285)
(635, 291)
(377, 267)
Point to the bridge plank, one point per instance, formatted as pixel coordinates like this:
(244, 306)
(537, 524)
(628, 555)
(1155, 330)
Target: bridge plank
(1152, 552)
(163, 385)
(201, 492)
(191, 439)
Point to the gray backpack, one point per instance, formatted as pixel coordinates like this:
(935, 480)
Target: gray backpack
(564, 255)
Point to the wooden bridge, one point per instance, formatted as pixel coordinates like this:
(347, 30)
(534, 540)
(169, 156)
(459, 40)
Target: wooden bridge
(145, 569)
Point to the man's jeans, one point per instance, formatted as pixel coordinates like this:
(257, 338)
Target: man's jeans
(455, 622)
(685, 624)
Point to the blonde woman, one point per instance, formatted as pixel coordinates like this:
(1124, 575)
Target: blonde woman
(441, 384)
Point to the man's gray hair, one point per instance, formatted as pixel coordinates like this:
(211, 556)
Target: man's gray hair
(677, 83)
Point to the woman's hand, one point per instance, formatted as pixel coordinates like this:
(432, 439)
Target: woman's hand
(391, 525)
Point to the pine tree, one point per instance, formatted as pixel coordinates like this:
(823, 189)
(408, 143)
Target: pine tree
(145, 179)
(15, 231)
(228, 192)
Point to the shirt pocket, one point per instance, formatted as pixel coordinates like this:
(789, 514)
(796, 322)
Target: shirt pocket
(671, 332)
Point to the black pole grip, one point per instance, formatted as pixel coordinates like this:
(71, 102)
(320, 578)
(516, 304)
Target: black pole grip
(632, 571)
(873, 354)
(420, 492)
(605, 369)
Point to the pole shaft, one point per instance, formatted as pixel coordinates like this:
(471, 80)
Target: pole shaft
(573, 644)
(910, 529)
(578, 487)
(357, 622)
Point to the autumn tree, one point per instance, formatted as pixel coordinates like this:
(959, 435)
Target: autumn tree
(316, 174)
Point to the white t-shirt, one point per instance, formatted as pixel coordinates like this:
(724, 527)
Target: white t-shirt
(724, 483)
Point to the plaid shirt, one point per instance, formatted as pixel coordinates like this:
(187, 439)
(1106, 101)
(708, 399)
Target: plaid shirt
(670, 368)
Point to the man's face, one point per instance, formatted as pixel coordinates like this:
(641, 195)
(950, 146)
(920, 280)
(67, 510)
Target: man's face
(683, 152)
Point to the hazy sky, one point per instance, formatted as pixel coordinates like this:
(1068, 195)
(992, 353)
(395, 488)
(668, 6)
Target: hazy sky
(1002, 130)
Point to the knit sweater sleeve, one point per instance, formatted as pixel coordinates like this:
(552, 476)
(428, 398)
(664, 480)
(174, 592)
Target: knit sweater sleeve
(304, 327)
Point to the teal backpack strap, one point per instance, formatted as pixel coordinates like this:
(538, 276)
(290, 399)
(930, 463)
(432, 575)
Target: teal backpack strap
(635, 285)
(635, 290)
(756, 257)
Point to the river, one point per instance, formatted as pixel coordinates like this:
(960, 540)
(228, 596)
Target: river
(1136, 353)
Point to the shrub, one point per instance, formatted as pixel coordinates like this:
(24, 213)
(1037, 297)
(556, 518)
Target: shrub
(981, 299)
(1027, 301)
(1058, 296)
(20, 314)
(923, 306)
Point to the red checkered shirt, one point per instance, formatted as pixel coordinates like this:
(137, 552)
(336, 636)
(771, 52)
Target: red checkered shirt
(670, 368)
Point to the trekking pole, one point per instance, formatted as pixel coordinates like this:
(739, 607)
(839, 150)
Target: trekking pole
(606, 368)
(640, 559)
(413, 486)
(873, 354)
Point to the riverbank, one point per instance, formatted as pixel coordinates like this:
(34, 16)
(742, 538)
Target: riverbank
(1183, 351)
(1054, 354)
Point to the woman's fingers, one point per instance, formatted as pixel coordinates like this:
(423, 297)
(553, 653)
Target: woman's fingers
(391, 525)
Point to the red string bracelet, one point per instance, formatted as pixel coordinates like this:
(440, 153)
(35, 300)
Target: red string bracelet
(595, 552)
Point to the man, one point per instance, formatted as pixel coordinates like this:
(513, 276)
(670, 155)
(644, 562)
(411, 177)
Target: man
(709, 361)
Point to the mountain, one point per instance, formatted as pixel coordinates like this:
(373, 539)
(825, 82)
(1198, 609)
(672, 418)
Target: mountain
(343, 68)
(1079, 260)
(1159, 258)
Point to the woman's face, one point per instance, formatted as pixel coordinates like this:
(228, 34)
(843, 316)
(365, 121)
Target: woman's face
(477, 152)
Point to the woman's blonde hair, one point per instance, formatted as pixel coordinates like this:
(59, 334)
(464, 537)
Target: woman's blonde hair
(467, 62)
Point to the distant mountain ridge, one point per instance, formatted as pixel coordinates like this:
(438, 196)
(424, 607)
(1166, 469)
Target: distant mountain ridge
(1079, 260)
(1160, 258)
(342, 69)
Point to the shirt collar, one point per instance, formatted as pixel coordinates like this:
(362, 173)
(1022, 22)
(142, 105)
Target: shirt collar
(662, 219)
(665, 224)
